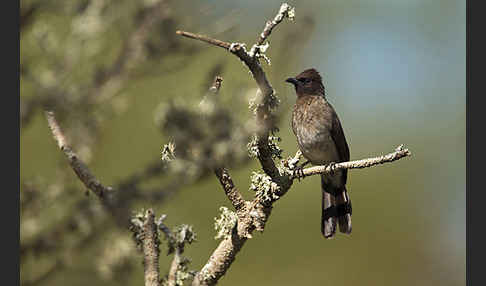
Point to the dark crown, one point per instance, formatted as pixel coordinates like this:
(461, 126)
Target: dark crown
(310, 74)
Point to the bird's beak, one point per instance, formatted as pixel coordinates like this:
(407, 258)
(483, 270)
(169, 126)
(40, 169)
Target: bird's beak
(292, 80)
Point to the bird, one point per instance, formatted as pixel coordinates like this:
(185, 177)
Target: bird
(321, 140)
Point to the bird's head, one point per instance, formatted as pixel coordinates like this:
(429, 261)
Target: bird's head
(308, 82)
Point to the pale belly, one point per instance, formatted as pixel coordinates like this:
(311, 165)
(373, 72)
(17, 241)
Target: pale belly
(322, 152)
(318, 149)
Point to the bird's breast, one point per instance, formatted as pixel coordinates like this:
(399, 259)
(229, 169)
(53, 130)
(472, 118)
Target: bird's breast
(313, 137)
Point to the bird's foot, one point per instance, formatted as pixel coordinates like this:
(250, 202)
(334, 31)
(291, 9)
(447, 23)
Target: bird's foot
(332, 167)
(298, 172)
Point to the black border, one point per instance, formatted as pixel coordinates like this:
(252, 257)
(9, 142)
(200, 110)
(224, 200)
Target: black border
(11, 76)
(471, 211)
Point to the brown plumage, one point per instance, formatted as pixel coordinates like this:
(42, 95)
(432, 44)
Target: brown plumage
(321, 139)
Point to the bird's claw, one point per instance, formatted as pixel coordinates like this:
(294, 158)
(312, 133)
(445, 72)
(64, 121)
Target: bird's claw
(332, 167)
(298, 172)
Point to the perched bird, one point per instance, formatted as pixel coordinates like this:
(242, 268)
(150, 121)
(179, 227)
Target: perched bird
(321, 139)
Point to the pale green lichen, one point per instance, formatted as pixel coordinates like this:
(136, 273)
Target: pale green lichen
(275, 150)
(252, 146)
(184, 234)
(136, 227)
(287, 11)
(182, 274)
(258, 51)
(225, 224)
(206, 274)
(168, 152)
(256, 102)
(287, 166)
(264, 187)
(273, 101)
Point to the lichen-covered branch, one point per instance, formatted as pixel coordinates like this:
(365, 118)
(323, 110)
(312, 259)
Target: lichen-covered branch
(81, 170)
(176, 241)
(399, 153)
(255, 214)
(285, 11)
(150, 245)
(174, 266)
(266, 95)
(229, 188)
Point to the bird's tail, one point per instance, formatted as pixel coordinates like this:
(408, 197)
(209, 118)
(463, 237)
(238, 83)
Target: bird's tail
(336, 209)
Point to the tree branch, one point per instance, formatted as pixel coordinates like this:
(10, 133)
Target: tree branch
(230, 189)
(266, 97)
(254, 215)
(399, 153)
(174, 266)
(81, 170)
(206, 39)
(150, 250)
(285, 11)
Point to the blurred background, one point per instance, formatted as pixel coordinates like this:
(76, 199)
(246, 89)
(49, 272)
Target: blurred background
(120, 80)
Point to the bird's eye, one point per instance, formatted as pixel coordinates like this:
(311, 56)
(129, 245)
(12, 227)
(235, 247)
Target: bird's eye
(305, 80)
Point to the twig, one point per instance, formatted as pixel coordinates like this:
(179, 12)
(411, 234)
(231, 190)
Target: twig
(229, 188)
(174, 266)
(172, 276)
(150, 250)
(81, 170)
(285, 11)
(399, 153)
(206, 39)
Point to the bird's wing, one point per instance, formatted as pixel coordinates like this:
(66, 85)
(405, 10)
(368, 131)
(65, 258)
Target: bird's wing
(339, 139)
(337, 134)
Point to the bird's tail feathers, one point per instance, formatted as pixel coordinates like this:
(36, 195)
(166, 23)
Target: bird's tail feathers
(336, 210)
